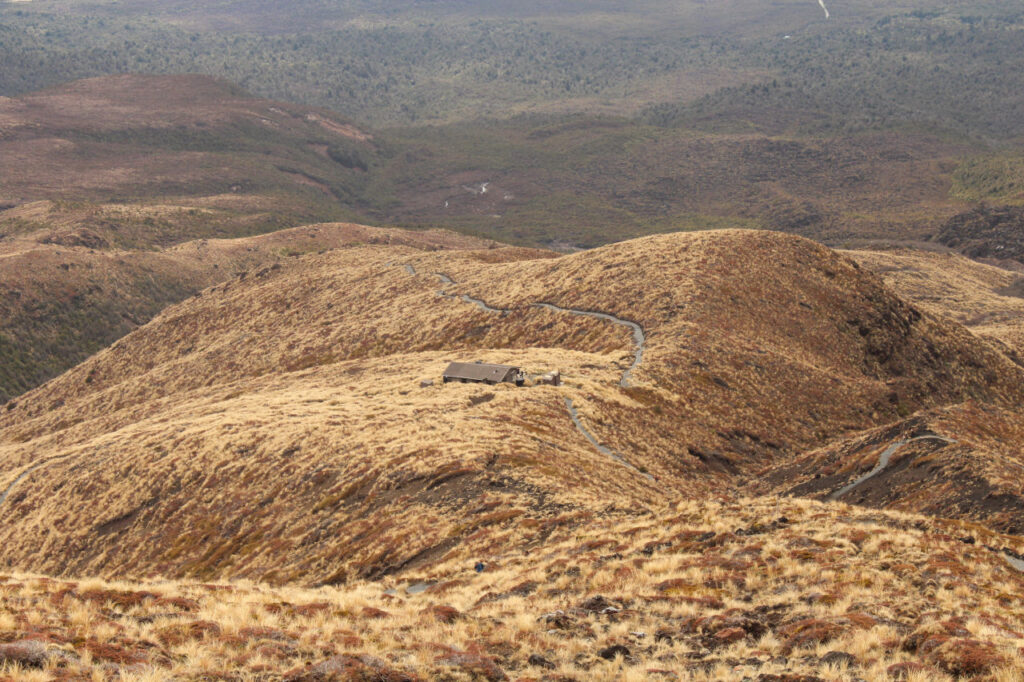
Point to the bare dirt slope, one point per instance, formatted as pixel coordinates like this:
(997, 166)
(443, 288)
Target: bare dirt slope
(275, 426)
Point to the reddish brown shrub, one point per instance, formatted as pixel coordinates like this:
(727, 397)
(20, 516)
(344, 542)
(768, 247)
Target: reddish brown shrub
(967, 657)
(808, 632)
(107, 651)
(729, 635)
(178, 633)
(444, 614)
(372, 613)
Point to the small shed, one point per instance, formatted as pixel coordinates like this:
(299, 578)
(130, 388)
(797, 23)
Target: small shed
(484, 373)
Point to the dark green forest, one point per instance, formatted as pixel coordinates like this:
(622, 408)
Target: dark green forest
(949, 66)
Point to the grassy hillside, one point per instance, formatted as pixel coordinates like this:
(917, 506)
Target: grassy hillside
(986, 299)
(130, 138)
(70, 287)
(709, 590)
(276, 426)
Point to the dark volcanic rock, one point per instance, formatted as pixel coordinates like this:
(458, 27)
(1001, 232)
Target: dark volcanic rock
(27, 653)
(609, 653)
(540, 662)
(838, 658)
(986, 232)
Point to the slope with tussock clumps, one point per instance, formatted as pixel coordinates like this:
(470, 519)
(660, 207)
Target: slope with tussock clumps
(973, 468)
(721, 589)
(67, 290)
(987, 300)
(275, 426)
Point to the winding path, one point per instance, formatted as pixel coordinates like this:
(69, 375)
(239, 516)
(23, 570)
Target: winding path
(639, 339)
(638, 333)
(445, 279)
(883, 462)
(25, 474)
(603, 449)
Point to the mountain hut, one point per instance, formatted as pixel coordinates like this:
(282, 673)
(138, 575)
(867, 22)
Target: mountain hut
(484, 373)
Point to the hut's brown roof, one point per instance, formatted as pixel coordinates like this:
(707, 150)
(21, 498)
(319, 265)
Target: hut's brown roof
(478, 371)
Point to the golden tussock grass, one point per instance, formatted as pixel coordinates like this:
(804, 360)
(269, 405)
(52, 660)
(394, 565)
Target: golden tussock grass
(713, 590)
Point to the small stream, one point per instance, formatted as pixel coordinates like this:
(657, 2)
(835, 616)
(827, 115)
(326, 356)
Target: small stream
(883, 462)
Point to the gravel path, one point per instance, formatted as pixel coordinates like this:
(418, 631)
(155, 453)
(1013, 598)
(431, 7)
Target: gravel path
(638, 333)
(603, 449)
(25, 474)
(639, 339)
(883, 462)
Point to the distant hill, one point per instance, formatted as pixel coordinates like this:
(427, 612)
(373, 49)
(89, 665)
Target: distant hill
(277, 427)
(99, 178)
(238, 165)
(66, 291)
(126, 138)
(986, 299)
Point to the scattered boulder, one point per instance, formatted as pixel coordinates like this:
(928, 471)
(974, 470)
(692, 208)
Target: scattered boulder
(345, 668)
(27, 653)
(597, 604)
(539, 661)
(610, 653)
(838, 658)
(558, 620)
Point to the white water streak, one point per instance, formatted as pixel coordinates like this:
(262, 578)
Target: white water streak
(822, 3)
